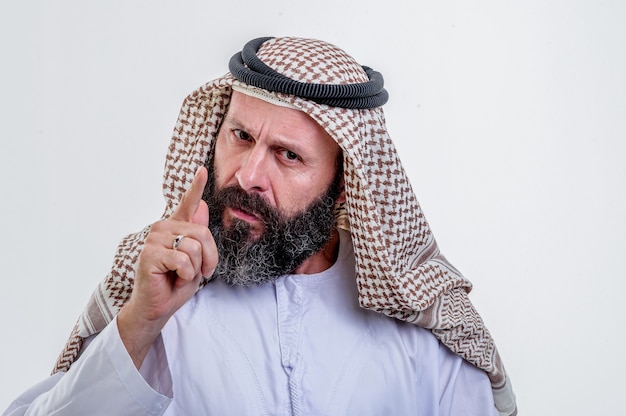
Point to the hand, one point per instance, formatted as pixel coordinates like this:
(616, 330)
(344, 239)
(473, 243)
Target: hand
(165, 277)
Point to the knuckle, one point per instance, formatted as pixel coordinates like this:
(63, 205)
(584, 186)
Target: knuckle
(159, 229)
(180, 260)
(195, 247)
(206, 234)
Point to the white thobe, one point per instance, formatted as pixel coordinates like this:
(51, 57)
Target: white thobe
(298, 346)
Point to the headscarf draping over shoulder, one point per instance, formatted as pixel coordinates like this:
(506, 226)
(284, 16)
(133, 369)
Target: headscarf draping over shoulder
(400, 271)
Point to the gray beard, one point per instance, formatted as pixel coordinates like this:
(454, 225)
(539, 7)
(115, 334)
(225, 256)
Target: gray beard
(287, 241)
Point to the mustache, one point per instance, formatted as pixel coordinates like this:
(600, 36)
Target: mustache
(235, 197)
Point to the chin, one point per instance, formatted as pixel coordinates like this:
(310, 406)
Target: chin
(254, 230)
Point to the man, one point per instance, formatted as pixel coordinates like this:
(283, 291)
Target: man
(295, 205)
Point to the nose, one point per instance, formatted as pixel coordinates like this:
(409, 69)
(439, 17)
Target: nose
(253, 173)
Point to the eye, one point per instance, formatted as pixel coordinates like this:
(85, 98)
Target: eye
(242, 135)
(289, 155)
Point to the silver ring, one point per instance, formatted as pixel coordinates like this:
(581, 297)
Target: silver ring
(177, 241)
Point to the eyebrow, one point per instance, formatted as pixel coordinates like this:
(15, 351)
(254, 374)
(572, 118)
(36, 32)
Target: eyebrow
(277, 141)
(229, 118)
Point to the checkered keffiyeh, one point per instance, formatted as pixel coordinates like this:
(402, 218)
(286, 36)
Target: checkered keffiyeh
(400, 271)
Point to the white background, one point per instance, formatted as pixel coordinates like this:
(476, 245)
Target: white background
(509, 116)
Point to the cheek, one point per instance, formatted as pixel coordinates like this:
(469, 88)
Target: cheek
(298, 193)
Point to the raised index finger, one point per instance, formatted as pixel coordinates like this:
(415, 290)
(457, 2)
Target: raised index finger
(191, 198)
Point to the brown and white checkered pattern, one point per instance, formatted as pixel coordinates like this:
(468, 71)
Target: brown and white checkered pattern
(399, 269)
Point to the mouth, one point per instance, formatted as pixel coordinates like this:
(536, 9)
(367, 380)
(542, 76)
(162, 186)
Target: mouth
(232, 214)
(242, 214)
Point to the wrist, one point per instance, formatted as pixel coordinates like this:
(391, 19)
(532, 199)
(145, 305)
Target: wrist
(137, 334)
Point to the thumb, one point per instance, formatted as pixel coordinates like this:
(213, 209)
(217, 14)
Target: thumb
(191, 200)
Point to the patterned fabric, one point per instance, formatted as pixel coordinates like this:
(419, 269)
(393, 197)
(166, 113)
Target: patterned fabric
(400, 270)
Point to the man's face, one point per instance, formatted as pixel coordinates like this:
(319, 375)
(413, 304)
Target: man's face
(271, 191)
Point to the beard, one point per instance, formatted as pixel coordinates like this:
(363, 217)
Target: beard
(286, 240)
